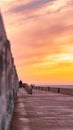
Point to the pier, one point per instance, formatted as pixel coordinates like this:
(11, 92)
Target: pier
(42, 110)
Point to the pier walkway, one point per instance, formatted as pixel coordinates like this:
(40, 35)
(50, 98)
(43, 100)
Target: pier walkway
(42, 110)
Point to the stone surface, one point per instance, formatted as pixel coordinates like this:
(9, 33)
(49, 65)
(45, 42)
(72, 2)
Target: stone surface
(8, 79)
(43, 111)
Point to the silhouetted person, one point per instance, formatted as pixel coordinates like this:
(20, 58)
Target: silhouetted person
(20, 84)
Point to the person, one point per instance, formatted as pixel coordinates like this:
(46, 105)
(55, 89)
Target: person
(20, 84)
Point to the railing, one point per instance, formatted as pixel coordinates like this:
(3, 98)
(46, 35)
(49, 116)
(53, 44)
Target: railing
(68, 91)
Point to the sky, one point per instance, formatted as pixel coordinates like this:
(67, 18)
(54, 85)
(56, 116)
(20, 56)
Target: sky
(41, 36)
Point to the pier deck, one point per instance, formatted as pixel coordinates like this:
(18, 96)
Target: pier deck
(42, 110)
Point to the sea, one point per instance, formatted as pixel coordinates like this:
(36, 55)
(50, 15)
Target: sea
(56, 86)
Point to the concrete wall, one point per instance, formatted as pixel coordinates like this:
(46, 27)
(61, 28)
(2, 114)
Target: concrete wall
(68, 91)
(8, 80)
(28, 88)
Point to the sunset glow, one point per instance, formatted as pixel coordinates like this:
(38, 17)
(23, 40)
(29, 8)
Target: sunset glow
(41, 36)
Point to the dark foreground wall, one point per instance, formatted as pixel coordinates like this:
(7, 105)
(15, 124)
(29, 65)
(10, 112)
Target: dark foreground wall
(8, 80)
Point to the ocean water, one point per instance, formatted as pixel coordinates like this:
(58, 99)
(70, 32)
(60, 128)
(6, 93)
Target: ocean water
(61, 86)
(57, 86)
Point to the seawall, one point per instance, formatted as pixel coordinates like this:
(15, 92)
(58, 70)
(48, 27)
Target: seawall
(68, 91)
(8, 80)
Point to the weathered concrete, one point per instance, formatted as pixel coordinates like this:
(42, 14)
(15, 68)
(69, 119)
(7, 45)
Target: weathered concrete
(28, 88)
(43, 110)
(68, 90)
(8, 80)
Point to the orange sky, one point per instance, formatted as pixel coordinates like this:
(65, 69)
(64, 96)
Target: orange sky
(41, 35)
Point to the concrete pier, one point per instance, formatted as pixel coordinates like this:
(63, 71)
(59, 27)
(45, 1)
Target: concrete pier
(42, 110)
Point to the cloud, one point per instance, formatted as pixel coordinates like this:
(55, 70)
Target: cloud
(27, 6)
(37, 30)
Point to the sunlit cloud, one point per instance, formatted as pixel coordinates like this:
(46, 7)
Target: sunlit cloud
(41, 35)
